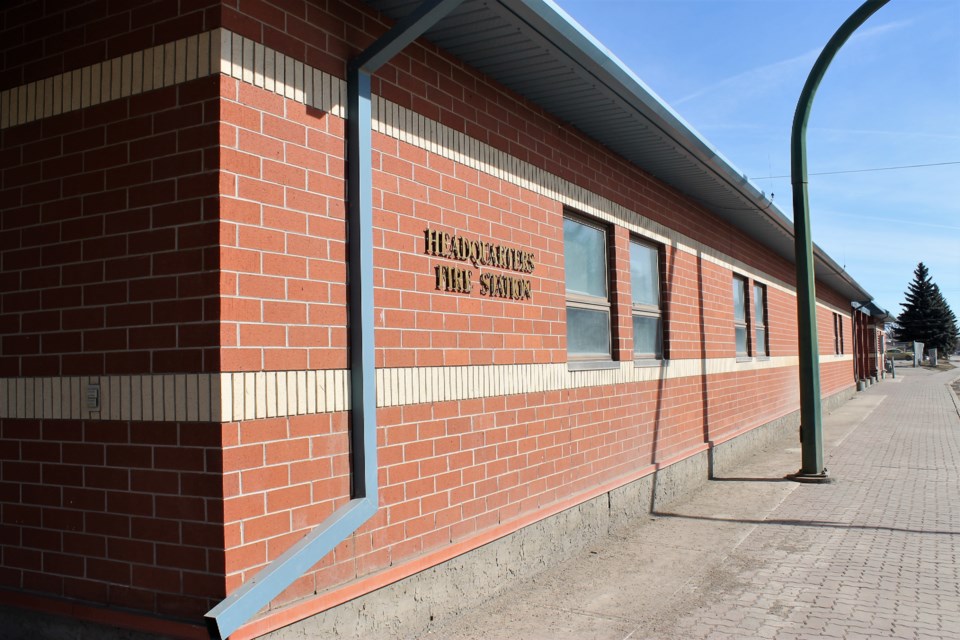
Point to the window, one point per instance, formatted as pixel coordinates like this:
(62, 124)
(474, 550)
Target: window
(837, 333)
(588, 300)
(740, 315)
(760, 347)
(645, 285)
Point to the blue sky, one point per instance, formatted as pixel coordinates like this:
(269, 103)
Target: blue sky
(733, 69)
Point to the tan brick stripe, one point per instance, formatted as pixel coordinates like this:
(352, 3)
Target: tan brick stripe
(161, 66)
(228, 397)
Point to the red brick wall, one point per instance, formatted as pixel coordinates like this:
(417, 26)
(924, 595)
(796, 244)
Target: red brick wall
(427, 327)
(281, 477)
(452, 469)
(127, 514)
(283, 277)
(836, 373)
(698, 299)
(109, 237)
(283, 244)
(321, 35)
(202, 228)
(444, 89)
(782, 322)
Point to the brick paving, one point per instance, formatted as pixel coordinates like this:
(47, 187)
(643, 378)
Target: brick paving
(872, 555)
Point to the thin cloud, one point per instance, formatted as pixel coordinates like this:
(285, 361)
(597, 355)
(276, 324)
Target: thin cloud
(753, 77)
(895, 133)
(775, 72)
(880, 29)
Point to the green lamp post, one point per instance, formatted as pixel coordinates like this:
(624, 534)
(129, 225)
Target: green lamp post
(811, 435)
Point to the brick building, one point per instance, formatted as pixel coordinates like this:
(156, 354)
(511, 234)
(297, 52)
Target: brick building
(565, 306)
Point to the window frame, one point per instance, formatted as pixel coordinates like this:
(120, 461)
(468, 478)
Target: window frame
(761, 348)
(838, 346)
(746, 324)
(648, 310)
(577, 300)
(836, 334)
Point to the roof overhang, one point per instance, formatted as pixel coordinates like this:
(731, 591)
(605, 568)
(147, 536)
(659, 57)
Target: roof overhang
(879, 314)
(535, 49)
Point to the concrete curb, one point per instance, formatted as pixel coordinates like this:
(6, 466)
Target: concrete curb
(953, 394)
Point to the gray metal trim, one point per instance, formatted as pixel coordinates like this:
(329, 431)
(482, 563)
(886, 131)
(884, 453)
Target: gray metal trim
(592, 365)
(363, 432)
(408, 29)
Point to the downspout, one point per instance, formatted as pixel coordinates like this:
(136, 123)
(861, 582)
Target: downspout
(857, 365)
(864, 358)
(241, 605)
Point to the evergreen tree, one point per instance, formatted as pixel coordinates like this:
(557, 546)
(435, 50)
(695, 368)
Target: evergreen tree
(926, 316)
(951, 333)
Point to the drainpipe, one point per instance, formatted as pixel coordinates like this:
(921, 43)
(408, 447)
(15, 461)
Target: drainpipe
(857, 347)
(256, 593)
(811, 439)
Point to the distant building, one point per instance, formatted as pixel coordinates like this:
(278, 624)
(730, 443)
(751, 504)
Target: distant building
(571, 294)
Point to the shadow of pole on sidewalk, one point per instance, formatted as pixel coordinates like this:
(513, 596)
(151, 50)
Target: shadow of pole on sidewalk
(813, 524)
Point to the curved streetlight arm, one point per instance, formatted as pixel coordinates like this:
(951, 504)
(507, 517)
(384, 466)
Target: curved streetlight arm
(810, 419)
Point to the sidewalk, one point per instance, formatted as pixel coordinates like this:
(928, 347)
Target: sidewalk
(872, 555)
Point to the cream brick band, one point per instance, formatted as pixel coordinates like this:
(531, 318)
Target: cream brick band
(161, 66)
(162, 398)
(229, 397)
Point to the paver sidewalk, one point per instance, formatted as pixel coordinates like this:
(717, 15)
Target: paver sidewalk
(872, 555)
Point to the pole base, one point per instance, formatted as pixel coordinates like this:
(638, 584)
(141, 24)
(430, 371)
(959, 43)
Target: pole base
(810, 478)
